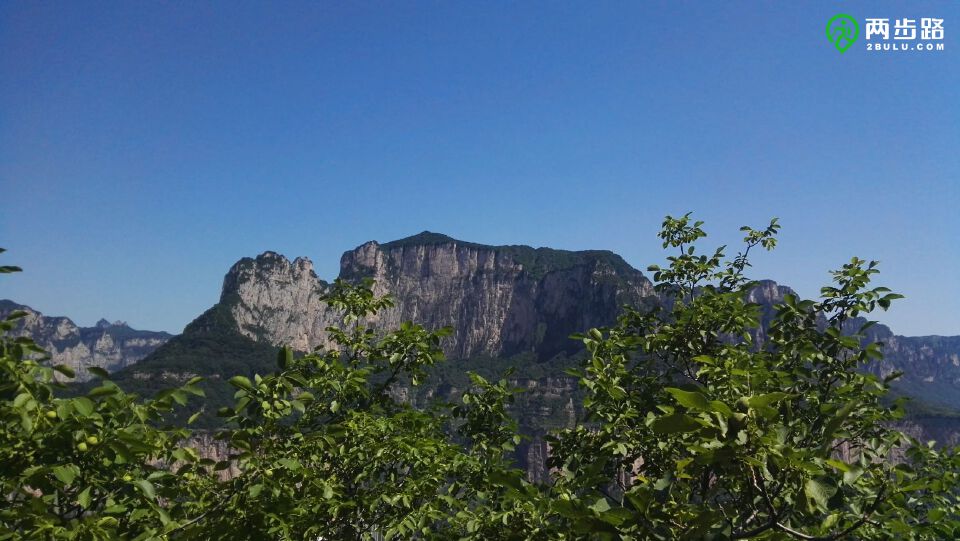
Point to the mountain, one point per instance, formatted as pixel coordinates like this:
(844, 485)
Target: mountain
(500, 300)
(503, 302)
(110, 346)
(508, 306)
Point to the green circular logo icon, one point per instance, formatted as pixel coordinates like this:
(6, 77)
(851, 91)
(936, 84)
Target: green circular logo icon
(842, 31)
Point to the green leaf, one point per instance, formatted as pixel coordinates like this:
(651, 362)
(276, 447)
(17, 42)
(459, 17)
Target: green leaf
(21, 399)
(66, 474)
(194, 390)
(720, 407)
(290, 464)
(830, 521)
(505, 479)
(83, 405)
(147, 488)
(765, 400)
(241, 382)
(102, 390)
(601, 505)
(108, 522)
(99, 372)
(839, 464)
(689, 399)
(65, 370)
(835, 422)
(179, 397)
(285, 358)
(851, 476)
(675, 423)
(820, 491)
(84, 498)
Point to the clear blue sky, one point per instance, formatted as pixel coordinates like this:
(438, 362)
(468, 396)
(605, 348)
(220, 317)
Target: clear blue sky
(145, 147)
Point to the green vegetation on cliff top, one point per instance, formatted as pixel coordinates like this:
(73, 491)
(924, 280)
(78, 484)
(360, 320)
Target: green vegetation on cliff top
(536, 261)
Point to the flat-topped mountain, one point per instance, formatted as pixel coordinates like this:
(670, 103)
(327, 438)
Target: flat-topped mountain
(110, 346)
(500, 300)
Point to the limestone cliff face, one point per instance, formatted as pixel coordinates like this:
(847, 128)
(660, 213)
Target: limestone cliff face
(499, 300)
(110, 346)
(767, 294)
(481, 293)
(278, 301)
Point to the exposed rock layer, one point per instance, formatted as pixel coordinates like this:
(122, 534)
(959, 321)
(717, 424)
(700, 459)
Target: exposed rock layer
(498, 300)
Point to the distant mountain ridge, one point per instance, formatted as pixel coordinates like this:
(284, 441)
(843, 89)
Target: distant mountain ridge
(508, 306)
(501, 301)
(111, 346)
(930, 364)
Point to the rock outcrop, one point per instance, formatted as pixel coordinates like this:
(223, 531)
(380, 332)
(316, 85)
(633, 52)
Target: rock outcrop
(110, 346)
(278, 301)
(500, 300)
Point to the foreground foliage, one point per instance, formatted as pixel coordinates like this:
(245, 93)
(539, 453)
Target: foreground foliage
(714, 430)
(705, 421)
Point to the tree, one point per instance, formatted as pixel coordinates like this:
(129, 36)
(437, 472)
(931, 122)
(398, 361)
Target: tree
(325, 450)
(700, 430)
(96, 466)
(319, 449)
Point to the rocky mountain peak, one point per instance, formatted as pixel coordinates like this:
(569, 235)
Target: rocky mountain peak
(499, 299)
(436, 251)
(267, 267)
(106, 345)
(104, 324)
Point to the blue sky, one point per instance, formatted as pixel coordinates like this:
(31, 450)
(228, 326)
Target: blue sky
(145, 147)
